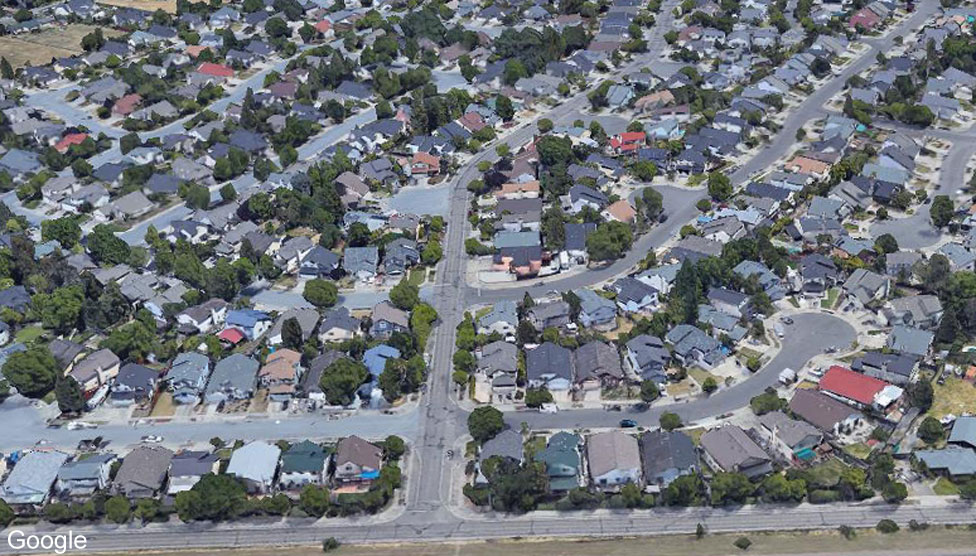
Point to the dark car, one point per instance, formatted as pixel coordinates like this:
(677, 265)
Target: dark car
(662, 218)
(628, 423)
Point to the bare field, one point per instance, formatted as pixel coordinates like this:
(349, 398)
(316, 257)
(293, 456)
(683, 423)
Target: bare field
(39, 48)
(904, 543)
(168, 6)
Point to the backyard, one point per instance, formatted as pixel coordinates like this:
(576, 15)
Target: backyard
(956, 396)
(39, 48)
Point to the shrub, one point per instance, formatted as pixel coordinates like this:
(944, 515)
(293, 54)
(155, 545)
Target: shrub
(916, 526)
(887, 526)
(330, 544)
(848, 531)
(742, 543)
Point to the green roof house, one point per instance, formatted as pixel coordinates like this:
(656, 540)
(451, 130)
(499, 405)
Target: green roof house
(562, 459)
(303, 464)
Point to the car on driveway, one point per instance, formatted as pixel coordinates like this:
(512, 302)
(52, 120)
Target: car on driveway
(628, 423)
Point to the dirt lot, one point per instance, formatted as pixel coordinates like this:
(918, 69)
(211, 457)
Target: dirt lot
(947, 541)
(39, 48)
(168, 6)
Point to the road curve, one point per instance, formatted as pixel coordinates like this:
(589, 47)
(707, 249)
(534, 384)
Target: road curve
(809, 335)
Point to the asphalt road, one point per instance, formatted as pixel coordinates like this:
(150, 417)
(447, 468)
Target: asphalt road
(809, 335)
(541, 524)
(916, 231)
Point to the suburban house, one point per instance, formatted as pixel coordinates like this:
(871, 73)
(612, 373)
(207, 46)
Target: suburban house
(597, 365)
(305, 463)
(307, 319)
(864, 286)
(918, 311)
(188, 467)
(596, 311)
(256, 464)
(135, 384)
(95, 370)
(549, 315)
(31, 480)
(387, 319)
(143, 472)
(549, 366)
(251, 322)
(667, 456)
(895, 368)
(824, 412)
(503, 319)
(648, 358)
(729, 448)
(281, 373)
(613, 459)
(860, 391)
(234, 378)
(562, 460)
(694, 347)
(81, 478)
(357, 461)
(187, 377)
(794, 440)
(338, 325)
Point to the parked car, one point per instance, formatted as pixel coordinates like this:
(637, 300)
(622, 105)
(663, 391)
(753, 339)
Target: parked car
(628, 423)
(152, 438)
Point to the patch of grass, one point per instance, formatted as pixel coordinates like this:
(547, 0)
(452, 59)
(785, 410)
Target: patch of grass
(793, 301)
(417, 276)
(956, 396)
(482, 312)
(29, 334)
(701, 375)
(695, 435)
(164, 406)
(860, 450)
(945, 487)
(827, 474)
(832, 295)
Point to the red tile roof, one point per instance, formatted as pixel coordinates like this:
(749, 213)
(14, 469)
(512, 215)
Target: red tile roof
(323, 26)
(851, 385)
(125, 105)
(68, 140)
(231, 335)
(627, 138)
(216, 70)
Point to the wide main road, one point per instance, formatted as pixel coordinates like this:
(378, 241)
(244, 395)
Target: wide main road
(539, 524)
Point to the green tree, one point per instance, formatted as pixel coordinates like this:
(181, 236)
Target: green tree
(133, 340)
(394, 447)
(709, 385)
(886, 243)
(69, 395)
(32, 372)
(931, 430)
(320, 292)
(341, 379)
(129, 141)
(118, 509)
(64, 230)
(686, 490)
(670, 421)
(649, 391)
(314, 500)
(941, 211)
(504, 108)
(537, 397)
(484, 423)
(644, 170)
(105, 247)
(719, 186)
(653, 203)
(894, 492)
(61, 309)
(766, 402)
(212, 498)
(291, 334)
(432, 253)
(778, 488)
(405, 295)
(609, 241)
(730, 488)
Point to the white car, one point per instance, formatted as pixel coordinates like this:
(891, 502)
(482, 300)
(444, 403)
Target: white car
(549, 408)
(81, 425)
(152, 438)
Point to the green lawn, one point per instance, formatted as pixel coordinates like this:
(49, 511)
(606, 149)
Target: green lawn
(860, 450)
(832, 296)
(700, 375)
(417, 276)
(827, 474)
(28, 334)
(945, 487)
